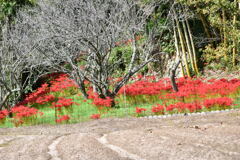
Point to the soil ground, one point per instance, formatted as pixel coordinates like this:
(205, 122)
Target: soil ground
(213, 136)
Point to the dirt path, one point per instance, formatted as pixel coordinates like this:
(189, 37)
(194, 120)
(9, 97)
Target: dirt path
(214, 136)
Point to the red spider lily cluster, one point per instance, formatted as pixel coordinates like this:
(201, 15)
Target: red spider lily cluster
(145, 90)
(33, 97)
(190, 90)
(140, 110)
(61, 83)
(102, 102)
(63, 103)
(158, 109)
(194, 95)
(23, 114)
(144, 87)
(3, 116)
(184, 107)
(46, 95)
(200, 88)
(180, 107)
(63, 118)
(41, 95)
(95, 116)
(45, 99)
(97, 101)
(224, 102)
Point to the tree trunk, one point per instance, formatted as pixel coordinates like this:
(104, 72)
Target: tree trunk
(4, 101)
(82, 88)
(172, 76)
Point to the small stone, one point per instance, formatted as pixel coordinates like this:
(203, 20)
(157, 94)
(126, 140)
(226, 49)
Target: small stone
(155, 117)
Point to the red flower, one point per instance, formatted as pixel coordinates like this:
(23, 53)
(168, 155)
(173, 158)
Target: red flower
(95, 116)
(3, 115)
(61, 83)
(63, 102)
(45, 99)
(140, 110)
(223, 102)
(102, 102)
(158, 109)
(23, 114)
(63, 118)
(171, 107)
(32, 97)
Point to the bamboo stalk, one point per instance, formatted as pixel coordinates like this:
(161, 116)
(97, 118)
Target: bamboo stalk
(182, 46)
(234, 39)
(234, 44)
(186, 34)
(193, 48)
(224, 33)
(178, 54)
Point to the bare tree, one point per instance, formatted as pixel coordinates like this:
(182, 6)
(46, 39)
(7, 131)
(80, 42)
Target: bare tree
(19, 66)
(78, 31)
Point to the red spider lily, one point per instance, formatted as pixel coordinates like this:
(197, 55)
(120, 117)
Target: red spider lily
(63, 118)
(198, 88)
(95, 116)
(23, 111)
(23, 114)
(45, 99)
(192, 107)
(171, 107)
(63, 102)
(159, 109)
(61, 83)
(146, 87)
(140, 110)
(31, 98)
(224, 102)
(3, 115)
(102, 102)
(182, 107)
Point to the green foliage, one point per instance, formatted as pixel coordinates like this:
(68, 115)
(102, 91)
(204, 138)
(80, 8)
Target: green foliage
(211, 54)
(123, 55)
(222, 17)
(8, 8)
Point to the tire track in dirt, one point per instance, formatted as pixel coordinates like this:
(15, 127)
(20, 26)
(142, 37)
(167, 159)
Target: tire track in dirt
(53, 152)
(121, 152)
(26, 145)
(5, 142)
